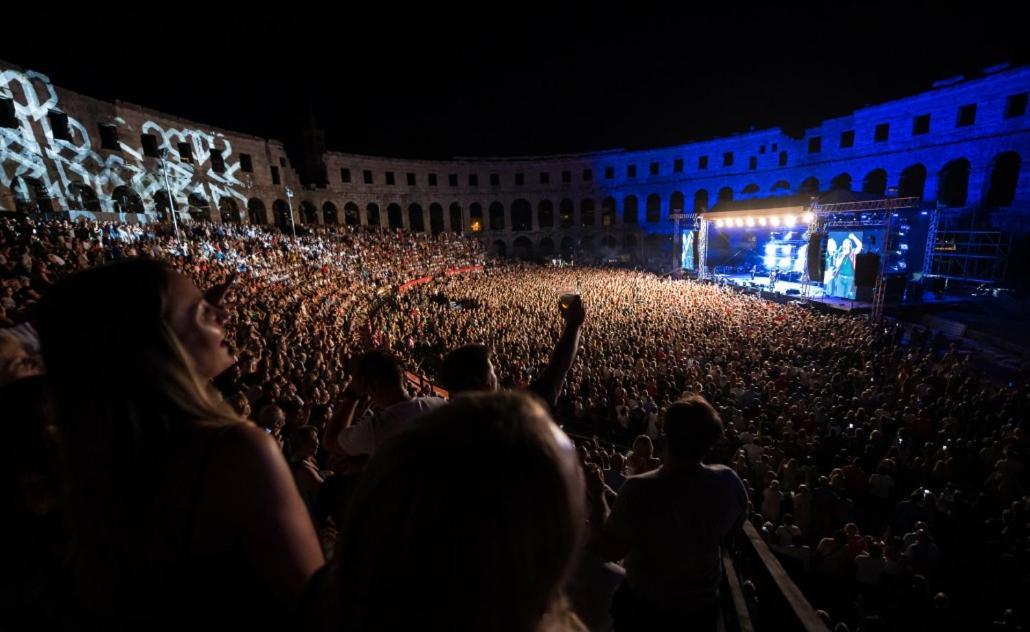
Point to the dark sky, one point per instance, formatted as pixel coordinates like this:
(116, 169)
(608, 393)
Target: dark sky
(519, 79)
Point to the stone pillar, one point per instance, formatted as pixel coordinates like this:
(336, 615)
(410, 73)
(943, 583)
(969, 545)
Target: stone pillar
(979, 183)
(931, 184)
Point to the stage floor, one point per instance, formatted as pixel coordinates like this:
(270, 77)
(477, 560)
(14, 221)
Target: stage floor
(762, 282)
(815, 293)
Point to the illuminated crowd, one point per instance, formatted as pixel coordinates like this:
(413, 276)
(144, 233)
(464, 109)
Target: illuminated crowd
(883, 470)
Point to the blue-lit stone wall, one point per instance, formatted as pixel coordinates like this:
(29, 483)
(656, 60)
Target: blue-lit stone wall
(944, 144)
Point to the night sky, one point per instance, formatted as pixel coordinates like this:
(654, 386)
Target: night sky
(520, 79)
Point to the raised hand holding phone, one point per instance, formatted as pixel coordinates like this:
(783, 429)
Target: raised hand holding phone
(571, 308)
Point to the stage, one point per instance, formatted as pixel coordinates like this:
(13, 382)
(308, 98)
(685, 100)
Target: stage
(790, 291)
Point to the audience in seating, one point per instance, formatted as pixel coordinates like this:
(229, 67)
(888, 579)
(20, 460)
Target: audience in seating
(150, 388)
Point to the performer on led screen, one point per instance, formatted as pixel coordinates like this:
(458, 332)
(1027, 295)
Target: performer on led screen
(840, 271)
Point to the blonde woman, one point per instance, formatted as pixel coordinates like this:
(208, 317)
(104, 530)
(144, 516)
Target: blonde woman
(178, 511)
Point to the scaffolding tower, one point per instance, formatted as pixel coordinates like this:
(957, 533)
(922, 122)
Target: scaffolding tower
(960, 249)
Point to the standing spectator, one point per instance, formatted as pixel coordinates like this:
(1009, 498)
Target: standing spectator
(178, 510)
(380, 380)
(668, 524)
(772, 502)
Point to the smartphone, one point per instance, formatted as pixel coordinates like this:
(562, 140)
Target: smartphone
(567, 299)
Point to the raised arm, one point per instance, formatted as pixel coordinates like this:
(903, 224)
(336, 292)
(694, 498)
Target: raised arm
(549, 384)
(857, 242)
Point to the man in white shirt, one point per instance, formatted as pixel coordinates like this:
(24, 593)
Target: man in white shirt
(380, 382)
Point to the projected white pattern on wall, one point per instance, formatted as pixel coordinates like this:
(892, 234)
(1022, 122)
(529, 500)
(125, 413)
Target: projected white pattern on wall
(41, 169)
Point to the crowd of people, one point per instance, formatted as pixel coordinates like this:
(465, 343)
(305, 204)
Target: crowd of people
(207, 418)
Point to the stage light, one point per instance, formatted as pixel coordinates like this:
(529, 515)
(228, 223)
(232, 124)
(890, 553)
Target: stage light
(789, 220)
(738, 222)
(808, 217)
(774, 220)
(718, 223)
(762, 221)
(750, 221)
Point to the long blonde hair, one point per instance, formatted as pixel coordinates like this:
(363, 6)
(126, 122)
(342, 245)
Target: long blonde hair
(126, 399)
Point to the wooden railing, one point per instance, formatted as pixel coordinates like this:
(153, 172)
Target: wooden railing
(775, 602)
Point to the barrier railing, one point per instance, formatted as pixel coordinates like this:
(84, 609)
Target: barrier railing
(772, 601)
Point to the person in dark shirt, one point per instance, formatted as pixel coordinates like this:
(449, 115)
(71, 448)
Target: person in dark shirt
(668, 526)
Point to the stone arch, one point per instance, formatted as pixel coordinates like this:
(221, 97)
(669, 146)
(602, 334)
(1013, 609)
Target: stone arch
(457, 223)
(85, 197)
(395, 216)
(126, 200)
(351, 214)
(372, 217)
(566, 213)
(586, 212)
(750, 189)
(281, 211)
(545, 215)
(30, 196)
(476, 222)
(1003, 179)
(199, 207)
(677, 203)
(841, 182)
(725, 195)
(608, 211)
(700, 200)
(499, 248)
(630, 209)
(416, 223)
(912, 181)
(953, 183)
(809, 186)
(521, 217)
(653, 210)
(256, 212)
(781, 185)
(228, 210)
(546, 248)
(436, 223)
(875, 182)
(496, 216)
(330, 215)
(308, 212)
